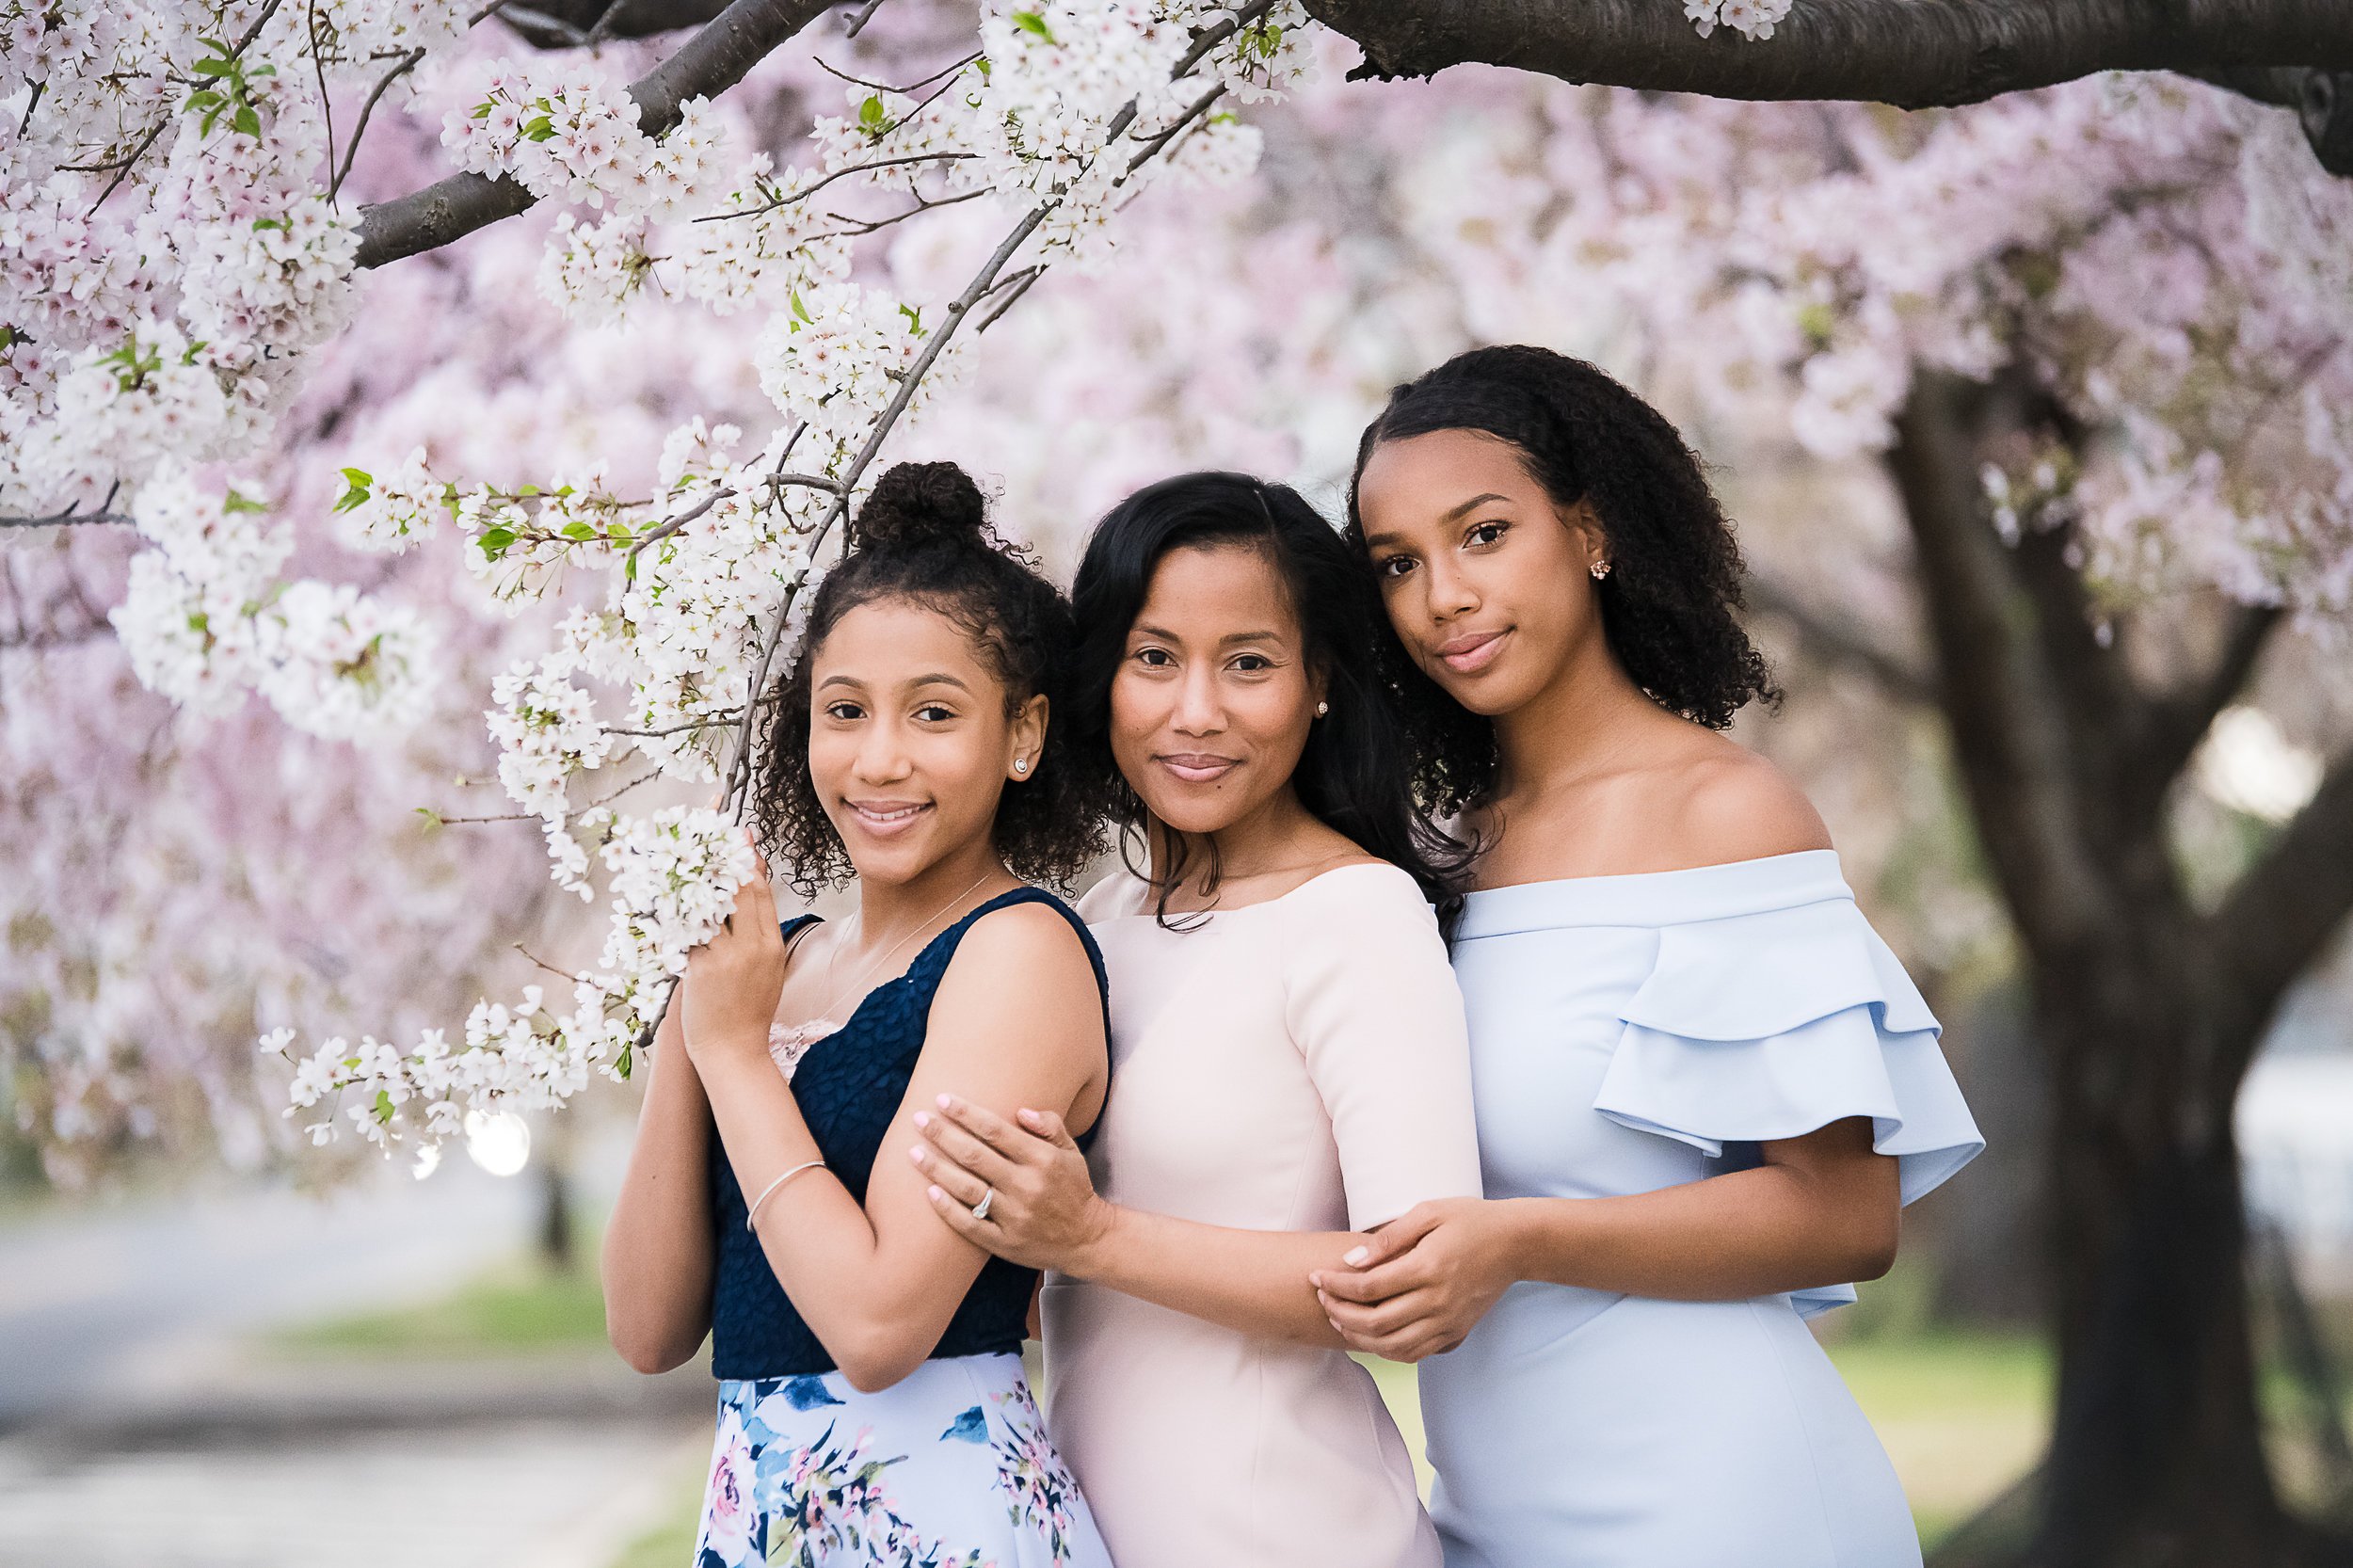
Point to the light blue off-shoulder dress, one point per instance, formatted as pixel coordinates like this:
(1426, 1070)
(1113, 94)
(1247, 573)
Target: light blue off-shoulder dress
(1629, 1034)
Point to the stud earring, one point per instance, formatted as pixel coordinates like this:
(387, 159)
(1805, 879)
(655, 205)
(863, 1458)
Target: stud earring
(1600, 569)
(1322, 708)
(1021, 764)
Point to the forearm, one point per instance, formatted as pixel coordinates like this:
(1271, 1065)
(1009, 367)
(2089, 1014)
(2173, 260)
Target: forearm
(1749, 1233)
(1251, 1281)
(818, 1240)
(656, 1261)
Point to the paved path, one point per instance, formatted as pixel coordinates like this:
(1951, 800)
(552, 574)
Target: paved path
(138, 1430)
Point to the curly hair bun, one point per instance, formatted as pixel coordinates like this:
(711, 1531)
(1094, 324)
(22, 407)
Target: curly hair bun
(921, 504)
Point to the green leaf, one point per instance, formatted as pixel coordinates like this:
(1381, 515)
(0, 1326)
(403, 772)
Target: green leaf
(578, 529)
(205, 97)
(482, 111)
(870, 116)
(914, 318)
(247, 123)
(800, 311)
(217, 65)
(621, 1063)
(494, 542)
(541, 129)
(199, 622)
(1031, 22)
(628, 568)
(384, 1106)
(233, 502)
(430, 815)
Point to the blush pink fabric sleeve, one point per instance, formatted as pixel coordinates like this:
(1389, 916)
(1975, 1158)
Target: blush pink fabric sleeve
(1371, 1003)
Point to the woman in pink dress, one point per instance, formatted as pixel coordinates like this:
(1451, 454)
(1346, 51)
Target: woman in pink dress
(1291, 1066)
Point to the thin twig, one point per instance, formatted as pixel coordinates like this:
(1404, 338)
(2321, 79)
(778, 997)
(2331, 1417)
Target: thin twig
(408, 63)
(73, 514)
(865, 15)
(858, 227)
(907, 91)
(1155, 142)
(318, 64)
(30, 104)
(1014, 287)
(837, 174)
(604, 26)
(562, 974)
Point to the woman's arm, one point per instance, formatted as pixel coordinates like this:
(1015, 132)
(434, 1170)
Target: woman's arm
(1822, 1209)
(656, 1260)
(1046, 1214)
(1017, 1016)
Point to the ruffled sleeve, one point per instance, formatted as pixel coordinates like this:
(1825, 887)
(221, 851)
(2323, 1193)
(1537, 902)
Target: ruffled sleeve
(1772, 1024)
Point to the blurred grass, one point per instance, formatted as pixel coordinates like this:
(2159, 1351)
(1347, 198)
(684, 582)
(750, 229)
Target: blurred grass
(517, 1309)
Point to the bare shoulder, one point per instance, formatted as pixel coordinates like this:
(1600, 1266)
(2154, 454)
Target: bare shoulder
(1024, 957)
(1740, 807)
(1028, 943)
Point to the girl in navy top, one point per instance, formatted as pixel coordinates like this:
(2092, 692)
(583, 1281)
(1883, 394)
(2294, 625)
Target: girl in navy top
(871, 1404)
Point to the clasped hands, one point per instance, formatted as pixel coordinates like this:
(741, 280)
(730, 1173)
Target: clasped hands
(1412, 1289)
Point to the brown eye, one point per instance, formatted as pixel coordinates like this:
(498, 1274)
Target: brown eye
(1154, 657)
(1489, 532)
(1394, 566)
(845, 712)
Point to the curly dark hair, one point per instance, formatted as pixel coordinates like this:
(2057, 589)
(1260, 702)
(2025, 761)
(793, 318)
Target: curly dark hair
(1352, 776)
(1670, 605)
(923, 536)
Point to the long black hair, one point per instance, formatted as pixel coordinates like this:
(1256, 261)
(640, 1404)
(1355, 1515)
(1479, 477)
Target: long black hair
(1353, 777)
(1669, 607)
(923, 536)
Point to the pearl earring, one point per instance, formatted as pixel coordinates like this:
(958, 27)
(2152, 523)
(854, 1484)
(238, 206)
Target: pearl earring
(1600, 569)
(1021, 764)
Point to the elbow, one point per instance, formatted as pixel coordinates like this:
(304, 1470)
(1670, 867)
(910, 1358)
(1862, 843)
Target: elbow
(651, 1355)
(872, 1360)
(650, 1351)
(1873, 1248)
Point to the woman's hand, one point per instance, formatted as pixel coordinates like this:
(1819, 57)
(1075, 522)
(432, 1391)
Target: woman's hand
(1046, 1213)
(733, 981)
(1420, 1282)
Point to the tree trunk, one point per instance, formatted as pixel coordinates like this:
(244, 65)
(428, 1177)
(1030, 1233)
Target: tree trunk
(2147, 1013)
(2156, 1456)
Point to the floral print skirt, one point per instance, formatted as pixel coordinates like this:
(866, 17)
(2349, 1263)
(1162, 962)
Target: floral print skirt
(948, 1468)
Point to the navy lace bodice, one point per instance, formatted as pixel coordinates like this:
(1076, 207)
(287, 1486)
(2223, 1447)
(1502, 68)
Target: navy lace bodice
(849, 1086)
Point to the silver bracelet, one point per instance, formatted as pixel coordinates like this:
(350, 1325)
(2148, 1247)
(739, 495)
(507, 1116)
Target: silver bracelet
(753, 1213)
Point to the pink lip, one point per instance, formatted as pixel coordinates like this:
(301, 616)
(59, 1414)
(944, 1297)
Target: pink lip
(1473, 651)
(886, 819)
(1195, 767)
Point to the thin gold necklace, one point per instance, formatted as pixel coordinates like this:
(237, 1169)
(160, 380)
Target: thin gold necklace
(786, 1046)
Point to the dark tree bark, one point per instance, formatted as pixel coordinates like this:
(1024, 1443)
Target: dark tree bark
(2148, 1013)
(1914, 53)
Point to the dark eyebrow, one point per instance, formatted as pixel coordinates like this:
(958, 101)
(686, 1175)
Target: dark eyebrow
(1375, 541)
(1250, 637)
(940, 680)
(1471, 506)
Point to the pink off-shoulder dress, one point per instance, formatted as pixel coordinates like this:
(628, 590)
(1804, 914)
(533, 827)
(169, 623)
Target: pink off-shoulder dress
(1296, 1064)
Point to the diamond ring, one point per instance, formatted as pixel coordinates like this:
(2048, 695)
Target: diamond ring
(980, 1209)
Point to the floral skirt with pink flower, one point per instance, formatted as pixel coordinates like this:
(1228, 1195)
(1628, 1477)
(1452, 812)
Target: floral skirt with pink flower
(949, 1469)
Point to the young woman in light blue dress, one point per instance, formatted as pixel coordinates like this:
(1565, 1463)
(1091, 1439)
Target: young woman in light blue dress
(1704, 1087)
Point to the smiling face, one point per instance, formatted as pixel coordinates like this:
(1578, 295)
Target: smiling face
(910, 745)
(1486, 579)
(1214, 700)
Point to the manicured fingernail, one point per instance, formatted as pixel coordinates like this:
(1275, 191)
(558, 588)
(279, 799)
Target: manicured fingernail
(916, 1154)
(1032, 1118)
(933, 1193)
(1355, 1257)
(1316, 1279)
(922, 1118)
(947, 1102)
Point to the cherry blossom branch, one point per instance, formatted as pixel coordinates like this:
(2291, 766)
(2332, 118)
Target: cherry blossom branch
(787, 199)
(1916, 54)
(73, 515)
(708, 65)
